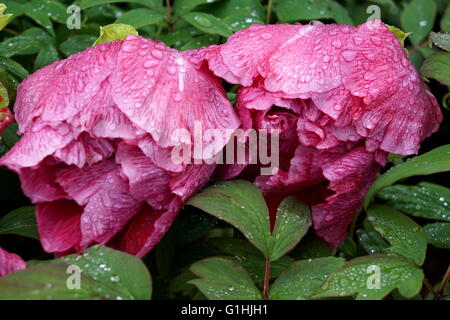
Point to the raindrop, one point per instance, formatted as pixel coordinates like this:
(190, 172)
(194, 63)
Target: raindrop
(349, 55)
(204, 22)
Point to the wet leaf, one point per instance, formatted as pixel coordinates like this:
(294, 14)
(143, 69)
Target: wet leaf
(207, 23)
(418, 18)
(126, 273)
(292, 222)
(114, 32)
(295, 10)
(437, 66)
(21, 221)
(241, 204)
(303, 278)
(140, 17)
(438, 234)
(250, 258)
(442, 40)
(437, 160)
(372, 278)
(224, 279)
(425, 200)
(49, 282)
(406, 237)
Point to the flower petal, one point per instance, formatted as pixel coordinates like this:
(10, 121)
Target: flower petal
(169, 87)
(60, 90)
(59, 224)
(10, 262)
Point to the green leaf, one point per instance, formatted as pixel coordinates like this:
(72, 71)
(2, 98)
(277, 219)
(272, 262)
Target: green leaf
(152, 4)
(442, 40)
(438, 234)
(114, 32)
(241, 21)
(13, 67)
(207, 23)
(179, 37)
(46, 55)
(15, 8)
(292, 222)
(9, 136)
(437, 66)
(445, 20)
(426, 200)
(358, 277)
(418, 17)
(303, 278)
(399, 34)
(223, 279)
(4, 99)
(48, 282)
(42, 10)
(406, 237)
(250, 258)
(140, 17)
(105, 274)
(4, 18)
(201, 41)
(370, 239)
(295, 10)
(437, 160)
(241, 204)
(20, 45)
(184, 6)
(122, 271)
(21, 221)
(76, 43)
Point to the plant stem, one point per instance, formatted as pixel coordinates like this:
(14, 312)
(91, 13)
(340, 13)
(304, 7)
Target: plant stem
(266, 280)
(444, 282)
(269, 11)
(169, 15)
(429, 287)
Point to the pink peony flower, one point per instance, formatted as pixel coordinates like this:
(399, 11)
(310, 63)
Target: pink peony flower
(98, 129)
(10, 262)
(342, 97)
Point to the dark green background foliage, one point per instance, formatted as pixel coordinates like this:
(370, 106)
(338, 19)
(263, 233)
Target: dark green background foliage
(218, 249)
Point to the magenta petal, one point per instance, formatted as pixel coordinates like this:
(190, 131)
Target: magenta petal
(39, 184)
(147, 181)
(168, 85)
(147, 229)
(37, 144)
(237, 61)
(10, 262)
(350, 176)
(60, 90)
(59, 225)
(108, 210)
(85, 150)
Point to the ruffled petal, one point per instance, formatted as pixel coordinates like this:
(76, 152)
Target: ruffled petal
(85, 150)
(108, 210)
(147, 229)
(169, 87)
(59, 224)
(401, 111)
(349, 175)
(237, 61)
(37, 144)
(10, 262)
(147, 181)
(60, 90)
(38, 183)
